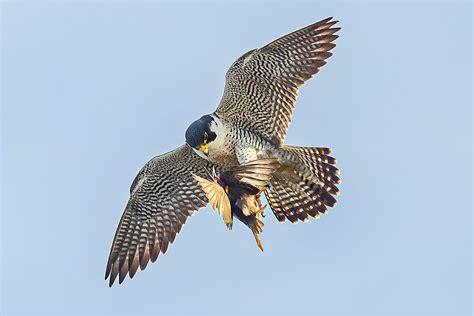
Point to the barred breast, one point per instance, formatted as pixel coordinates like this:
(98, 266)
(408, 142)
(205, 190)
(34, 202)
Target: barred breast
(223, 150)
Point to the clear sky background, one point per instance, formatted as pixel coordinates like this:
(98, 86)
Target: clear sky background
(92, 91)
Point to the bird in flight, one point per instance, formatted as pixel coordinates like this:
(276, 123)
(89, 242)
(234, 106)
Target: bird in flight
(248, 127)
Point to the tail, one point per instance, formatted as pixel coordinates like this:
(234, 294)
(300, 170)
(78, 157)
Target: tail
(305, 184)
(256, 226)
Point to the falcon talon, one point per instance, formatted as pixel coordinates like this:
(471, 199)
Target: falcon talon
(259, 205)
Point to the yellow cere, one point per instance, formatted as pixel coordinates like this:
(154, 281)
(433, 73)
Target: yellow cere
(204, 148)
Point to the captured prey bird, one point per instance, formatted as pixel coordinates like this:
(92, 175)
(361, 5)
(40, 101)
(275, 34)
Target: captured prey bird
(236, 192)
(249, 124)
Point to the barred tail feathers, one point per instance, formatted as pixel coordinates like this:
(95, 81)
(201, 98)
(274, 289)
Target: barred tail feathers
(305, 184)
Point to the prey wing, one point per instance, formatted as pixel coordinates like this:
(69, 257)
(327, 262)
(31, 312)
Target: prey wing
(256, 173)
(217, 197)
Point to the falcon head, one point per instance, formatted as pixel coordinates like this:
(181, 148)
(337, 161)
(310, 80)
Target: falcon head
(199, 134)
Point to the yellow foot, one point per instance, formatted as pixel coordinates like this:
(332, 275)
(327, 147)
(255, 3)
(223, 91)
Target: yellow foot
(258, 203)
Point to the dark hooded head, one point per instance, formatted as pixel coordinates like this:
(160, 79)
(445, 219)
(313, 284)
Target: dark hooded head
(199, 134)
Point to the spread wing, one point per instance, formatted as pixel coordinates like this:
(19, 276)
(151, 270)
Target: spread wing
(162, 196)
(262, 85)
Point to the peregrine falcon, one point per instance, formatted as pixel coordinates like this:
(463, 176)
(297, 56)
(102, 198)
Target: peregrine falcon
(249, 124)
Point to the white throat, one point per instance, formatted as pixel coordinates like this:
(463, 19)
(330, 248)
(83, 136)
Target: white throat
(221, 132)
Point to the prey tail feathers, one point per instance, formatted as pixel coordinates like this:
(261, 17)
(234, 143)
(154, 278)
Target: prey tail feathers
(259, 243)
(256, 226)
(304, 185)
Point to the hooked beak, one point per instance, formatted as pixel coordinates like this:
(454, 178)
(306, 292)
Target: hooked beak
(204, 149)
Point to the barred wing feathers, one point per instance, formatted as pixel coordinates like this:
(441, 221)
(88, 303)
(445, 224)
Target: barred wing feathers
(262, 85)
(162, 197)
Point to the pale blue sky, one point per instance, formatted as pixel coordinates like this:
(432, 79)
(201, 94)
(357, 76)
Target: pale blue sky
(91, 91)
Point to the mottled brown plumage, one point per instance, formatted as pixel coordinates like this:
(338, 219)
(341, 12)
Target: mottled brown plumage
(236, 192)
